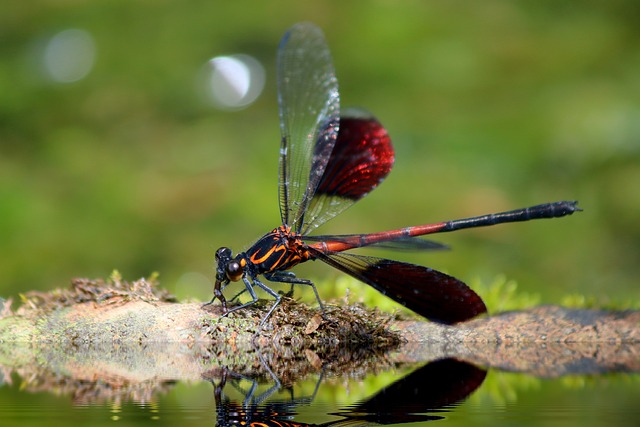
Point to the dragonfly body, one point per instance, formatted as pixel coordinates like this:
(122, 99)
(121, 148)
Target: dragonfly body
(278, 250)
(328, 161)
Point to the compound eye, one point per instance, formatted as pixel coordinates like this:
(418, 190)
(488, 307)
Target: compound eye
(234, 271)
(223, 253)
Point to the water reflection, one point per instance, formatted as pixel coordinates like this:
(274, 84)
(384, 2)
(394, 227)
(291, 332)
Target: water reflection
(427, 390)
(263, 386)
(431, 388)
(254, 408)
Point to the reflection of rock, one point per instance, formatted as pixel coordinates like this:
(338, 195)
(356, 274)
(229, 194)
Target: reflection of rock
(103, 388)
(543, 341)
(117, 338)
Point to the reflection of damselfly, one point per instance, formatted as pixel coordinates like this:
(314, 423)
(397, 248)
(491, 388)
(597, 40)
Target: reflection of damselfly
(328, 161)
(258, 407)
(413, 398)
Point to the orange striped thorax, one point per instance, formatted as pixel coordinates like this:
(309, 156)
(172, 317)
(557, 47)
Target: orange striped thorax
(278, 250)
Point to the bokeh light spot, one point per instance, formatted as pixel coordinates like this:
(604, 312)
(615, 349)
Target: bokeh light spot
(235, 81)
(69, 56)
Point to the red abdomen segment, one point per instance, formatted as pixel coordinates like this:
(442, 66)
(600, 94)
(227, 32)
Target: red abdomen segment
(345, 243)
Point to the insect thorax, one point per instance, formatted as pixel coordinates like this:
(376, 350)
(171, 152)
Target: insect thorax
(278, 250)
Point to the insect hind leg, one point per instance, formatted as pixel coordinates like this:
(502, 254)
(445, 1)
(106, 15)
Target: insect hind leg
(289, 277)
(289, 274)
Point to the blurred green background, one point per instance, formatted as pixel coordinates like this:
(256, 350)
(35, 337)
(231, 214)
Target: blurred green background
(491, 105)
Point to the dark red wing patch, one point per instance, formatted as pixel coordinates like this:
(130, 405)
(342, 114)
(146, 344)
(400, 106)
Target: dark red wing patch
(427, 292)
(362, 157)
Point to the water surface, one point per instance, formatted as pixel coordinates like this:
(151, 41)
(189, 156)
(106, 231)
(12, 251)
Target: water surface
(446, 391)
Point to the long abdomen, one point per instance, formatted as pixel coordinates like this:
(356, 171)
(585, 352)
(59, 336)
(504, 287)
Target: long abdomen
(547, 210)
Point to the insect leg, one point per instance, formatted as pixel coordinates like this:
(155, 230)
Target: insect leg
(218, 295)
(236, 296)
(289, 277)
(249, 284)
(289, 274)
(268, 290)
(254, 297)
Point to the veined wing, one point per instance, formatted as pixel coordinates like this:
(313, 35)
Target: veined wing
(361, 158)
(427, 292)
(309, 106)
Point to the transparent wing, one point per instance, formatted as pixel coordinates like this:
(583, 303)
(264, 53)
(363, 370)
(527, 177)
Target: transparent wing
(309, 106)
(361, 159)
